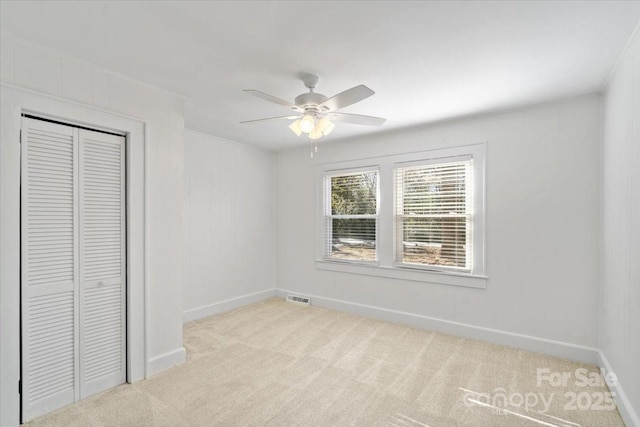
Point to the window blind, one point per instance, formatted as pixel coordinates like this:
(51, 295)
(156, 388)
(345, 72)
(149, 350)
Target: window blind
(433, 215)
(351, 216)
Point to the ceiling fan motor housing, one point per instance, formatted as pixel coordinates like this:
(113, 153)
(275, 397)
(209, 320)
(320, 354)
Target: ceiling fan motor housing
(310, 100)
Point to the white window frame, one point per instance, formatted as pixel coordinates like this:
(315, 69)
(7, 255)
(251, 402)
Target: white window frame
(326, 204)
(385, 226)
(398, 244)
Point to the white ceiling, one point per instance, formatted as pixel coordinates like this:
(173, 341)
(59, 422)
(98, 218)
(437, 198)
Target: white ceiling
(427, 61)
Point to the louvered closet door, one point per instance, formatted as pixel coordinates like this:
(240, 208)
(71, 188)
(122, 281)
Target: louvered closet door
(73, 264)
(102, 262)
(49, 267)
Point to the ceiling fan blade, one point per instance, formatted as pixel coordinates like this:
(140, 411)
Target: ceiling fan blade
(346, 98)
(356, 119)
(273, 99)
(272, 118)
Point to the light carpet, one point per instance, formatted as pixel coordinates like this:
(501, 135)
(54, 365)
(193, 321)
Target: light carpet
(278, 364)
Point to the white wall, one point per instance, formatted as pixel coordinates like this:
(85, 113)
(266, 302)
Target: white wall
(543, 216)
(229, 224)
(49, 73)
(542, 221)
(619, 315)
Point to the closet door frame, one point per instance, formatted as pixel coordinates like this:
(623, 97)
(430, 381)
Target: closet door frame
(19, 101)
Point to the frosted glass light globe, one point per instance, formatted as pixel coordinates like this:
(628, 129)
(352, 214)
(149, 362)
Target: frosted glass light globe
(307, 123)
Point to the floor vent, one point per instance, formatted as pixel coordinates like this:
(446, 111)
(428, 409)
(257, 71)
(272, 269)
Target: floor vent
(298, 299)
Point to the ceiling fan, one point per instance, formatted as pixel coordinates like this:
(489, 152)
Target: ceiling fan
(316, 113)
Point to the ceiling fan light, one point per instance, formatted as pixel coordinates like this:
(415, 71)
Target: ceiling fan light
(325, 126)
(329, 129)
(307, 123)
(295, 127)
(315, 134)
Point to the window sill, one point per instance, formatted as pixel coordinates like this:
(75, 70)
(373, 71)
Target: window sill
(416, 275)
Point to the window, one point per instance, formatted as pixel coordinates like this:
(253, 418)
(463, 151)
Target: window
(351, 214)
(415, 216)
(433, 215)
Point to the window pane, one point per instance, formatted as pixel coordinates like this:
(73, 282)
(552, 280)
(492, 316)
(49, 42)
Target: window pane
(354, 194)
(435, 241)
(353, 239)
(433, 214)
(438, 189)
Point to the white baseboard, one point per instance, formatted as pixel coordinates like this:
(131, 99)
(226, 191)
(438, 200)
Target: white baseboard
(628, 413)
(166, 361)
(226, 305)
(524, 342)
